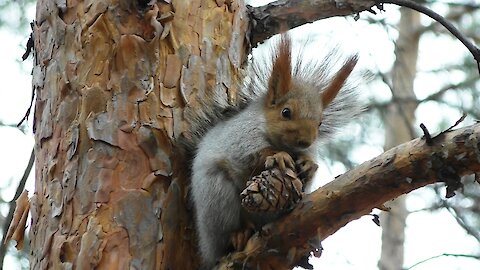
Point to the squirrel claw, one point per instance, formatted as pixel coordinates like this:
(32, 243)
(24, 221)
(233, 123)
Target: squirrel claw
(282, 159)
(306, 168)
(240, 238)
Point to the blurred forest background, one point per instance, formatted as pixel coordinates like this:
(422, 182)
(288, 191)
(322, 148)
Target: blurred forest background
(420, 74)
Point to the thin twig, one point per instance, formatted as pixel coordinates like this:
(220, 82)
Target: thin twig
(456, 123)
(457, 216)
(426, 134)
(25, 117)
(8, 219)
(30, 44)
(29, 47)
(7, 125)
(443, 255)
(474, 50)
(454, 14)
(465, 83)
(429, 139)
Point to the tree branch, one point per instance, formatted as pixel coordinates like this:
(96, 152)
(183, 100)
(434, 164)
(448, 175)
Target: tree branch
(474, 50)
(280, 15)
(398, 171)
(271, 19)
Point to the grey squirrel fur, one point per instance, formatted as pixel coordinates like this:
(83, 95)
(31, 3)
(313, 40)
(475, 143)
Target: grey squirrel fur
(236, 141)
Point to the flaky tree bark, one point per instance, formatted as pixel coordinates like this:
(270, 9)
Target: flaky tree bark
(398, 121)
(113, 79)
(113, 82)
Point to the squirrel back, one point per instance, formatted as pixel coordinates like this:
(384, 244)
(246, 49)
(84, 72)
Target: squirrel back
(291, 107)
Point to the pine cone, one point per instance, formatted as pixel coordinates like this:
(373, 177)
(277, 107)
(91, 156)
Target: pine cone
(272, 191)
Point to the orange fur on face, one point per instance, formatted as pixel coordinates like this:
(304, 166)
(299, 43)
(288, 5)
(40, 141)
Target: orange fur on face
(302, 98)
(298, 132)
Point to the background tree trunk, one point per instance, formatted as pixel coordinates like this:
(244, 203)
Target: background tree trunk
(113, 80)
(399, 118)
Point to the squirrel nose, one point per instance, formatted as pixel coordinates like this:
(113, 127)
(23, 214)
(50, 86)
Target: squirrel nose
(303, 144)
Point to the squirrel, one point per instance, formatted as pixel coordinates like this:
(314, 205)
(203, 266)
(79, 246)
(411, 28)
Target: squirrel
(298, 107)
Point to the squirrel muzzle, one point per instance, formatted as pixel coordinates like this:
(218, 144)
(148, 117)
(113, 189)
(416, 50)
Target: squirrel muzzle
(305, 134)
(295, 135)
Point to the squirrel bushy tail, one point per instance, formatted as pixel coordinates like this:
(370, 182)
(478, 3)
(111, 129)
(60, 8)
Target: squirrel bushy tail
(212, 108)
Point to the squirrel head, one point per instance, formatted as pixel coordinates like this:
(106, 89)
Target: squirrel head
(293, 107)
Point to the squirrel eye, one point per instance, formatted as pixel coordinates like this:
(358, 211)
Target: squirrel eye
(286, 113)
(320, 124)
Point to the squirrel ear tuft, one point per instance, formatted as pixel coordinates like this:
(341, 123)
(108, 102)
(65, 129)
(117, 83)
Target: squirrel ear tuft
(338, 80)
(280, 80)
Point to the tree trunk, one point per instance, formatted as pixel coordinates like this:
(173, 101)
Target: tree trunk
(113, 80)
(399, 119)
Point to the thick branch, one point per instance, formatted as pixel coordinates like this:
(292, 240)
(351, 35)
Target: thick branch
(398, 171)
(280, 15)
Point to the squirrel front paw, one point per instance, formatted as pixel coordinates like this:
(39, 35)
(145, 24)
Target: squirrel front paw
(306, 168)
(282, 160)
(240, 238)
